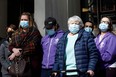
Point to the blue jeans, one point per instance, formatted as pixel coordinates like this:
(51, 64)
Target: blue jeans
(46, 72)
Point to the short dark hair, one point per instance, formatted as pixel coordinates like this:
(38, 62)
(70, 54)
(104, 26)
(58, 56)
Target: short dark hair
(13, 26)
(91, 23)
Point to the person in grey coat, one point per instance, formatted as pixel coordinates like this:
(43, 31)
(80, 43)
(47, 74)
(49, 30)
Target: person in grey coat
(5, 53)
(5, 62)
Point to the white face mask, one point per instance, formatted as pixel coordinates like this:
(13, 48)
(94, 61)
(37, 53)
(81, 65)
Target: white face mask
(74, 28)
(103, 27)
(88, 29)
(50, 32)
(24, 24)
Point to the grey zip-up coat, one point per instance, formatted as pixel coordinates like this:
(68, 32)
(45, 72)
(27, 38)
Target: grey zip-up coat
(5, 62)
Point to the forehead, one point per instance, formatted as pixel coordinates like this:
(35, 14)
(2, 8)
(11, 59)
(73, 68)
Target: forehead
(74, 21)
(24, 17)
(88, 23)
(105, 19)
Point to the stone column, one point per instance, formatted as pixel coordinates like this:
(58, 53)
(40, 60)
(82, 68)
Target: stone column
(39, 15)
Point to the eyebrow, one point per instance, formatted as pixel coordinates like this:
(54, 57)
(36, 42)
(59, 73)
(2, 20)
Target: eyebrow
(88, 25)
(105, 21)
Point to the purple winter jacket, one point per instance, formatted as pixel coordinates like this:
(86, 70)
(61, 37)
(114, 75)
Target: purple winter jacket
(49, 49)
(107, 48)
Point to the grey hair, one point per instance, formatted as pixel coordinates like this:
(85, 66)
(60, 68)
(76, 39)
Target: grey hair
(76, 18)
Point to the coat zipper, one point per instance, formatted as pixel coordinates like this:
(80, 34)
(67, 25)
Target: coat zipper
(49, 52)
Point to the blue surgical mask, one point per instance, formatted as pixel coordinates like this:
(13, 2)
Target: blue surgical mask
(74, 28)
(88, 29)
(24, 24)
(103, 27)
(50, 32)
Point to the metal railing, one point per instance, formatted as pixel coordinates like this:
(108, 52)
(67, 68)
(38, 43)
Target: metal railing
(65, 71)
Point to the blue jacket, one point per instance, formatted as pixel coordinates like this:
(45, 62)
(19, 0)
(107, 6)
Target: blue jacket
(49, 49)
(86, 53)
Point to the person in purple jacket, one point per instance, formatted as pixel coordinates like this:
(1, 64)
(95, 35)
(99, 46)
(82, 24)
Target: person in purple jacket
(105, 42)
(49, 43)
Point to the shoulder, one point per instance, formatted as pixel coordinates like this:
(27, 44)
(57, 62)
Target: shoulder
(59, 34)
(45, 37)
(111, 36)
(1, 40)
(4, 43)
(65, 34)
(63, 37)
(35, 31)
(87, 34)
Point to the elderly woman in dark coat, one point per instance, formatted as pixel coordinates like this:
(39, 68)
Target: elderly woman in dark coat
(76, 50)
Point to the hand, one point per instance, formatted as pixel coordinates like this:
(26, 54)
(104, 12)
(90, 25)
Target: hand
(12, 56)
(54, 74)
(9, 68)
(16, 51)
(90, 72)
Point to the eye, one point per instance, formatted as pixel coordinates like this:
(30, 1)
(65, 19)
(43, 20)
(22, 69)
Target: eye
(24, 19)
(107, 22)
(88, 26)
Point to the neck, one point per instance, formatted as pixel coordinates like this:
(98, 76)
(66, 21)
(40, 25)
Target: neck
(25, 29)
(102, 33)
(71, 34)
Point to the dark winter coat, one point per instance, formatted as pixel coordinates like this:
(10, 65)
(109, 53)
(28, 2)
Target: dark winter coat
(86, 53)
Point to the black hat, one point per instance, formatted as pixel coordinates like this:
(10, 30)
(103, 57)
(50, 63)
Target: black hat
(50, 22)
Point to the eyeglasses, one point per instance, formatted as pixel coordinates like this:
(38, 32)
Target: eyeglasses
(107, 22)
(88, 26)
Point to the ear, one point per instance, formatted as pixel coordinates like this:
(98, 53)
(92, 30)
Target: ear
(55, 27)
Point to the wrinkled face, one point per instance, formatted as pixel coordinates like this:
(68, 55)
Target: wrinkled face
(105, 20)
(73, 26)
(73, 22)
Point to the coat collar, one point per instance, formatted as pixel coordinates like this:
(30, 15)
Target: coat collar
(79, 33)
(105, 36)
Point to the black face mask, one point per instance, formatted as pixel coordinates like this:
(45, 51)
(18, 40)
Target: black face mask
(10, 34)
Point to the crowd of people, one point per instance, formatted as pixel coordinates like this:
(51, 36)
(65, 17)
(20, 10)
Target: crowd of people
(77, 52)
